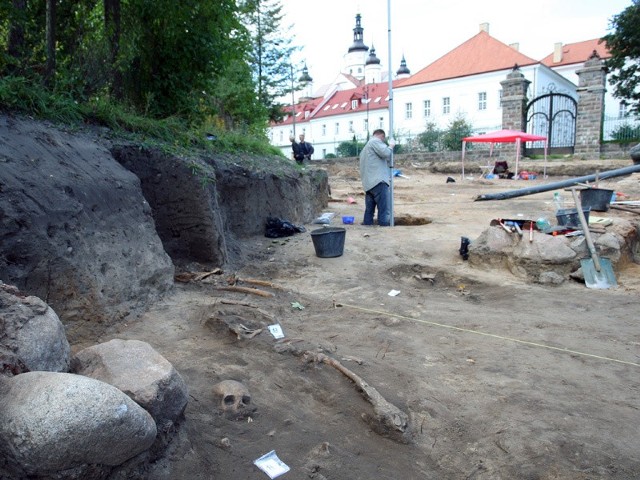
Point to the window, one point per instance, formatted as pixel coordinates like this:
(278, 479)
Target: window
(354, 104)
(337, 130)
(306, 113)
(281, 136)
(324, 153)
(482, 101)
(427, 108)
(350, 126)
(324, 129)
(365, 125)
(622, 110)
(381, 122)
(408, 111)
(446, 105)
(500, 99)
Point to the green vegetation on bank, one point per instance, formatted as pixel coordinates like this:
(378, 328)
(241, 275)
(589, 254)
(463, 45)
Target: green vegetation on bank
(180, 75)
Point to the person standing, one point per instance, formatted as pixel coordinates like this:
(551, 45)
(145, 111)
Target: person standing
(295, 148)
(306, 149)
(375, 173)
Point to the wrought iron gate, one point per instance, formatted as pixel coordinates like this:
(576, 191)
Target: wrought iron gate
(552, 115)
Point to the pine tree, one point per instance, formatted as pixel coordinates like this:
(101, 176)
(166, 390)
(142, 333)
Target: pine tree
(270, 55)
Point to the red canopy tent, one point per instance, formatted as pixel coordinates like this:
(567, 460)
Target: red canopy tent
(502, 136)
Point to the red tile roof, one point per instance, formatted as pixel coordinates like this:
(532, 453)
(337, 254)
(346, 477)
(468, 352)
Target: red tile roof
(340, 102)
(480, 54)
(577, 53)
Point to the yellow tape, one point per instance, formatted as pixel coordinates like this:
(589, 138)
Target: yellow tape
(485, 334)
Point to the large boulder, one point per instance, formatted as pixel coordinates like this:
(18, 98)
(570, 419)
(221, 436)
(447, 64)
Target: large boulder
(52, 422)
(75, 228)
(549, 259)
(32, 331)
(136, 369)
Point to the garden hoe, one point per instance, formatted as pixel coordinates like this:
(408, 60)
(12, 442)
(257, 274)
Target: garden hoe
(598, 272)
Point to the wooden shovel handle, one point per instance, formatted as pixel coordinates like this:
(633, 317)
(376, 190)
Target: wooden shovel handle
(585, 230)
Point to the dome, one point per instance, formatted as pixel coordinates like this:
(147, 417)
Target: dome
(403, 70)
(305, 77)
(372, 59)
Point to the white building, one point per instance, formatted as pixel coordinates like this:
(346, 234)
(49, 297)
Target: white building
(464, 82)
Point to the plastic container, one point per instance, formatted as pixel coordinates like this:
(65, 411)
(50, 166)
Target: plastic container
(347, 220)
(328, 241)
(558, 201)
(568, 217)
(596, 198)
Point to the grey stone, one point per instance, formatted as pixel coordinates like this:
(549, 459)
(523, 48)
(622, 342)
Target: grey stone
(32, 331)
(58, 421)
(550, 278)
(135, 368)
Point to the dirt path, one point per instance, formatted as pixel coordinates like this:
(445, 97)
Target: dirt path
(500, 379)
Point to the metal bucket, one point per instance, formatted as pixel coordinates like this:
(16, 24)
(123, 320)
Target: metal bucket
(596, 198)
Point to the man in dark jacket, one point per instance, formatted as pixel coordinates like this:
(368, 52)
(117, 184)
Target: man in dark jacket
(306, 149)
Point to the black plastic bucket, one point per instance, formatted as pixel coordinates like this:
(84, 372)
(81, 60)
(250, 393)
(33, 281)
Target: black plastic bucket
(568, 217)
(328, 241)
(596, 198)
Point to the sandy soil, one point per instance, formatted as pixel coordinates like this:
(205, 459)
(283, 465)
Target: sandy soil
(500, 379)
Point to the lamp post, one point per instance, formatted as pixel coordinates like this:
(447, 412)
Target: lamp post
(293, 103)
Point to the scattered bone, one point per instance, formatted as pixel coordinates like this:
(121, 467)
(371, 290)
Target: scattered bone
(186, 277)
(253, 291)
(389, 421)
(234, 280)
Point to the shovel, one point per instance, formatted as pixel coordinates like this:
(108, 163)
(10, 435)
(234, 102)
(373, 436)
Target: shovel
(597, 272)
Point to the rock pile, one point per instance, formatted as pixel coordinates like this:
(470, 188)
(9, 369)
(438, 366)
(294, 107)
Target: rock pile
(81, 416)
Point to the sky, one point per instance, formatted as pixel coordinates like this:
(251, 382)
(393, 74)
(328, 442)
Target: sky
(425, 30)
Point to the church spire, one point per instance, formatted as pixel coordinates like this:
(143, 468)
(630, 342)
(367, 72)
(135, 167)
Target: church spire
(358, 43)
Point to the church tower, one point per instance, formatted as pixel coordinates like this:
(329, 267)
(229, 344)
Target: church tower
(403, 71)
(355, 58)
(372, 68)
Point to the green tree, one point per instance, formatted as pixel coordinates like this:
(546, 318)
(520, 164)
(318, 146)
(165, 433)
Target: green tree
(430, 138)
(350, 149)
(270, 53)
(458, 129)
(624, 45)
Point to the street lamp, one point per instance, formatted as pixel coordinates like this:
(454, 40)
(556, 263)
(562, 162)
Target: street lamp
(293, 103)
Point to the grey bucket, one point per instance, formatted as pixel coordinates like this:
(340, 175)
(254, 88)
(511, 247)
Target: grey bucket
(596, 198)
(328, 241)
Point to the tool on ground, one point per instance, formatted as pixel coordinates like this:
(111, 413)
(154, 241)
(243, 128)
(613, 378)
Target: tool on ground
(598, 272)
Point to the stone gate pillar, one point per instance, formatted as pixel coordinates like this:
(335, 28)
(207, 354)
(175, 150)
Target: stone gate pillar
(514, 105)
(514, 100)
(591, 89)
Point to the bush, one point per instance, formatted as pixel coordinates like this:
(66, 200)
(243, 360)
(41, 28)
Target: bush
(626, 133)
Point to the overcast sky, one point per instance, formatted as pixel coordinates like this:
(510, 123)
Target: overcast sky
(424, 30)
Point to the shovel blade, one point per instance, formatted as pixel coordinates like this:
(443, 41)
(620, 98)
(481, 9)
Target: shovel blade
(605, 278)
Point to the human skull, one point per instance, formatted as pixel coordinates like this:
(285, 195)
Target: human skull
(233, 398)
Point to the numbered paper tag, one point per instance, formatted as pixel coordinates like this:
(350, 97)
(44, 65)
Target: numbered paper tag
(276, 331)
(270, 464)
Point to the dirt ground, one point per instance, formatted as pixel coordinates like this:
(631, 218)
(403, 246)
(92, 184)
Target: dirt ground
(500, 379)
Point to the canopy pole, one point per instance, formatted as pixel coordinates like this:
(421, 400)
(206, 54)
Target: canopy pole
(464, 144)
(517, 157)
